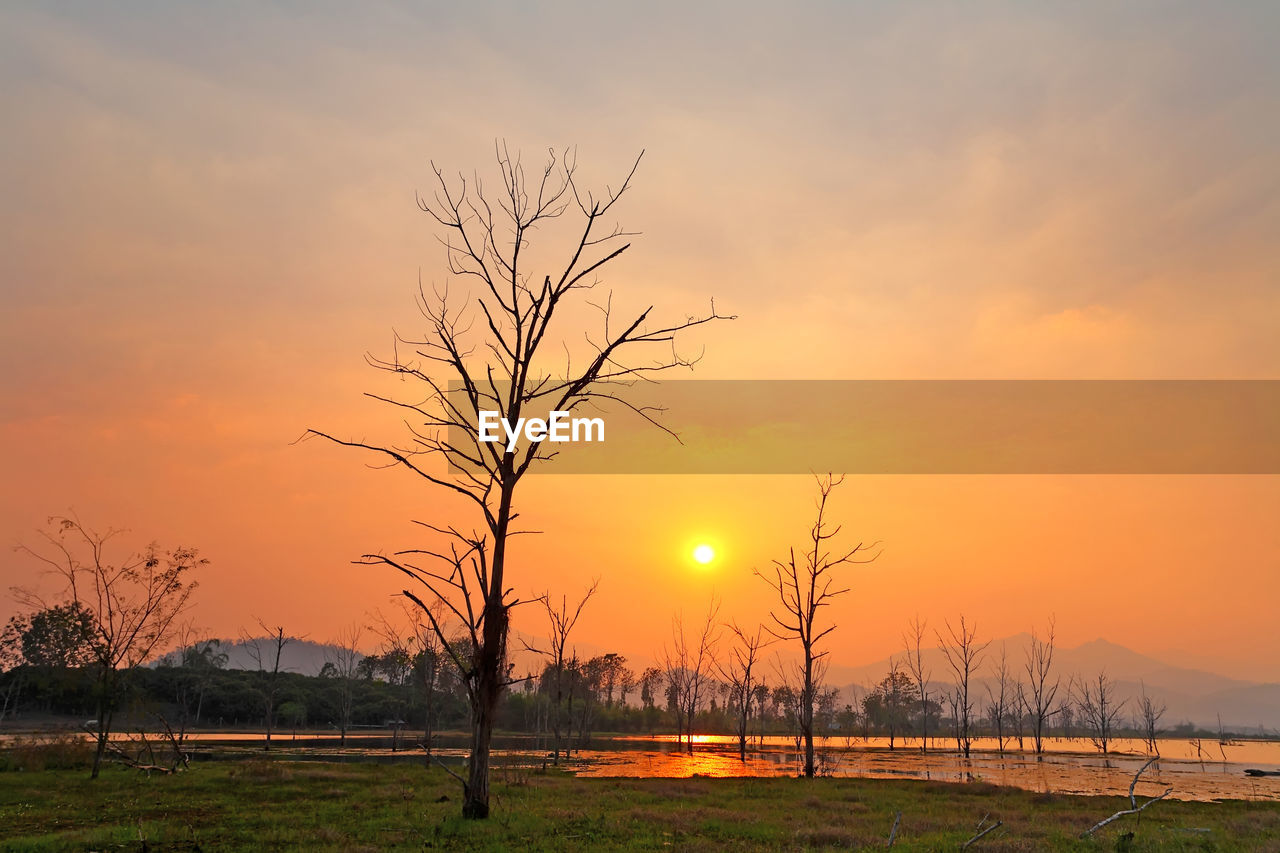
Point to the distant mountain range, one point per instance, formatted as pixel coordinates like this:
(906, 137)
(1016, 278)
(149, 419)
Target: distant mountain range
(1192, 695)
(300, 656)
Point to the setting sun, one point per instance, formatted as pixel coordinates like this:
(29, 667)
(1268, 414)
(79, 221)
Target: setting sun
(704, 554)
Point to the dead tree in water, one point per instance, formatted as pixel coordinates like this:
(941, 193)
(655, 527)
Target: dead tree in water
(804, 584)
(1042, 684)
(1099, 709)
(913, 643)
(1151, 711)
(740, 674)
(560, 666)
(1000, 697)
(964, 655)
(511, 347)
(688, 665)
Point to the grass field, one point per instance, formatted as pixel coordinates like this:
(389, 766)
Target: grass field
(280, 805)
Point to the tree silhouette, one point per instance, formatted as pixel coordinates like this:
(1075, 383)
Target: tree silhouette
(504, 343)
(805, 584)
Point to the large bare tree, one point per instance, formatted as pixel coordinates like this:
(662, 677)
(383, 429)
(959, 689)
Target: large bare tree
(134, 603)
(804, 584)
(507, 342)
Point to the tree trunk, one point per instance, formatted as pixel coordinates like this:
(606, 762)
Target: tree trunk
(488, 689)
(806, 714)
(924, 724)
(105, 686)
(100, 751)
(489, 669)
(270, 716)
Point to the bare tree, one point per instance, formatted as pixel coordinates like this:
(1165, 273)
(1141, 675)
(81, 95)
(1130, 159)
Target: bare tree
(688, 665)
(804, 584)
(1151, 710)
(650, 685)
(266, 651)
(496, 343)
(964, 655)
(888, 703)
(1020, 708)
(199, 660)
(1099, 709)
(1000, 696)
(560, 665)
(11, 666)
(135, 604)
(398, 652)
(431, 669)
(913, 645)
(742, 677)
(343, 654)
(1042, 683)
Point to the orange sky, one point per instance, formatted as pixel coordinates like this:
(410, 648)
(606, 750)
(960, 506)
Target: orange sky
(207, 217)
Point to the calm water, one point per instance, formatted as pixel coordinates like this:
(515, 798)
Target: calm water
(1209, 771)
(1068, 767)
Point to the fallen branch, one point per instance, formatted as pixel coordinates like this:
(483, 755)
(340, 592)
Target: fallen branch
(129, 761)
(179, 754)
(978, 837)
(893, 833)
(437, 760)
(1134, 808)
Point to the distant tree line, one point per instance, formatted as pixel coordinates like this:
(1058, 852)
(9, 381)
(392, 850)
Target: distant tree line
(49, 671)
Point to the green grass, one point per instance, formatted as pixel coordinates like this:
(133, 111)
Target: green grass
(282, 805)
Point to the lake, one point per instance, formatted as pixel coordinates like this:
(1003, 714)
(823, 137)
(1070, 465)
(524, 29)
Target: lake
(1196, 770)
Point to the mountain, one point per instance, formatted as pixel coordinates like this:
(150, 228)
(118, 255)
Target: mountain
(1191, 695)
(300, 656)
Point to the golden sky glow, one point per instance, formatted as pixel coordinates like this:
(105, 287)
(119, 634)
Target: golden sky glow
(208, 216)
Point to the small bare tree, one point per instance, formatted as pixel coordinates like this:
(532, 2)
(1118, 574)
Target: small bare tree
(688, 665)
(431, 669)
(741, 675)
(1042, 683)
(11, 666)
(1000, 696)
(1151, 711)
(135, 604)
(266, 650)
(1099, 708)
(964, 656)
(344, 656)
(913, 645)
(501, 344)
(887, 705)
(804, 584)
(561, 664)
(1020, 709)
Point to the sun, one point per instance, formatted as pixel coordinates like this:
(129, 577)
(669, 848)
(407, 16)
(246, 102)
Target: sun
(704, 554)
